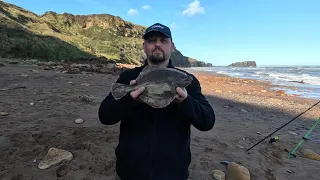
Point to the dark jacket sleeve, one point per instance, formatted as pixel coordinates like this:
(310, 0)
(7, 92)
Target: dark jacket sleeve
(197, 108)
(111, 111)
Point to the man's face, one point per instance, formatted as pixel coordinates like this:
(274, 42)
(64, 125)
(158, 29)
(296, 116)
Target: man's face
(157, 47)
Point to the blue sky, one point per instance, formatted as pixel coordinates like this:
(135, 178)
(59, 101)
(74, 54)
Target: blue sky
(270, 32)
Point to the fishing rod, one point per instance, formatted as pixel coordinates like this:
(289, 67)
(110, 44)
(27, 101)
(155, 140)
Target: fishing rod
(282, 126)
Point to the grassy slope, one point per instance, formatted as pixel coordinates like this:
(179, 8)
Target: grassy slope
(53, 36)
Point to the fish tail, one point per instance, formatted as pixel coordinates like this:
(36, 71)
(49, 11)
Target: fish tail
(119, 90)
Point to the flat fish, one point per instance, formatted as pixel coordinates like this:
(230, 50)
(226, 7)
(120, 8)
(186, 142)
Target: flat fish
(160, 85)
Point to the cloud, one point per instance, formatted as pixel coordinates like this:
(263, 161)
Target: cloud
(173, 25)
(193, 9)
(146, 7)
(133, 12)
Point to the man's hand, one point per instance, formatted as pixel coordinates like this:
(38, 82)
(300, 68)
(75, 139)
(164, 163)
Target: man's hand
(181, 96)
(134, 94)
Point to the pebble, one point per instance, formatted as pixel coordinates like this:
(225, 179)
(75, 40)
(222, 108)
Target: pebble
(78, 121)
(85, 84)
(293, 133)
(4, 114)
(218, 175)
(243, 110)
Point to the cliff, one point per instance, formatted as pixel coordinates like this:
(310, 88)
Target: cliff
(54, 37)
(244, 64)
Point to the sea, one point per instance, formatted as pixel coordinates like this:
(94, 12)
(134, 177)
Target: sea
(305, 80)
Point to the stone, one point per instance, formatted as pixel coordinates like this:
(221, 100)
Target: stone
(79, 121)
(238, 172)
(218, 175)
(308, 153)
(55, 156)
(4, 114)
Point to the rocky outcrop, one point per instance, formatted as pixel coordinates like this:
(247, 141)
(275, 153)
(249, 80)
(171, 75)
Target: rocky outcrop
(244, 64)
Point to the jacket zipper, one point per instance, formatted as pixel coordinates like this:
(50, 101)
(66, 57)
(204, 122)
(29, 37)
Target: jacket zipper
(153, 144)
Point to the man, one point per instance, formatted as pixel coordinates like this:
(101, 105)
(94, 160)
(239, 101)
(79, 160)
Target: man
(154, 144)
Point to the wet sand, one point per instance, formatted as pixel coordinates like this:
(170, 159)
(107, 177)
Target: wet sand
(43, 104)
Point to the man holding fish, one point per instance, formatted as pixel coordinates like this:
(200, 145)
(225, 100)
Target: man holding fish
(156, 104)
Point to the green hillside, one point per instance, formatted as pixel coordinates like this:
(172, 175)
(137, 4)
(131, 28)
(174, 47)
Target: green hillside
(55, 37)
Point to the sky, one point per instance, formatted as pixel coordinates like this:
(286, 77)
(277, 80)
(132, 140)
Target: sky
(270, 32)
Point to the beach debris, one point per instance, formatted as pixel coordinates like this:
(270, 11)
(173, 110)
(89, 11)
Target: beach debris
(236, 171)
(292, 133)
(308, 153)
(55, 156)
(32, 103)
(79, 121)
(259, 133)
(85, 84)
(86, 98)
(280, 93)
(218, 175)
(34, 161)
(289, 171)
(160, 85)
(243, 110)
(70, 82)
(33, 70)
(24, 75)
(264, 91)
(218, 91)
(4, 114)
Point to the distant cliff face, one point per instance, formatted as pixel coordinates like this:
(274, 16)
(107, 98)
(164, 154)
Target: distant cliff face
(244, 64)
(53, 36)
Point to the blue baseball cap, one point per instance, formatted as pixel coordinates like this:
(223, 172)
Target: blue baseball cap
(158, 28)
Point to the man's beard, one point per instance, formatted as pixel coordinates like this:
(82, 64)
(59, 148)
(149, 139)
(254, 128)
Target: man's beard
(157, 58)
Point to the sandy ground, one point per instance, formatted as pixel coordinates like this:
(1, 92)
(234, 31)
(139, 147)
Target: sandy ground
(42, 113)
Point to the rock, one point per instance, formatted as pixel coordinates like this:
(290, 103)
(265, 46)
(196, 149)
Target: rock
(289, 171)
(4, 114)
(238, 172)
(53, 157)
(280, 93)
(243, 110)
(244, 64)
(218, 175)
(308, 153)
(85, 84)
(86, 98)
(78, 121)
(292, 133)
(239, 146)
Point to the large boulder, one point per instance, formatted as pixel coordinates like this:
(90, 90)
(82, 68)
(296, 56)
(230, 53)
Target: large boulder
(244, 64)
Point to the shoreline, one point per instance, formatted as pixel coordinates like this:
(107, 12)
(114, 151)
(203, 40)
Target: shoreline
(284, 90)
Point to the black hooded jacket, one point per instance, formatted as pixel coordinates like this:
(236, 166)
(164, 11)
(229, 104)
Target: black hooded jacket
(154, 144)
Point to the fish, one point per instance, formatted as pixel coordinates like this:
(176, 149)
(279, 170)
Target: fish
(160, 85)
